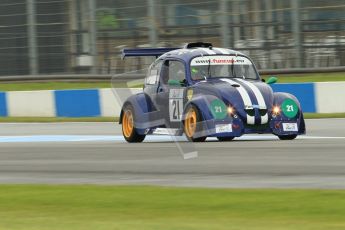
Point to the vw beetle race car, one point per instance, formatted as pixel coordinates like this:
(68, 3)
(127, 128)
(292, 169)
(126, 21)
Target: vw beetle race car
(202, 91)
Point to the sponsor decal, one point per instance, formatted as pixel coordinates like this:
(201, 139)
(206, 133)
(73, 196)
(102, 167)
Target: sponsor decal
(289, 108)
(189, 94)
(254, 107)
(224, 128)
(218, 109)
(220, 60)
(290, 127)
(175, 104)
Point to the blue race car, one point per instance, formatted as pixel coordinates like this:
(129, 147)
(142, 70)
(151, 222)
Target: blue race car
(202, 91)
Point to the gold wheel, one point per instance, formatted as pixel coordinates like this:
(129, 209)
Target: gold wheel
(127, 123)
(190, 122)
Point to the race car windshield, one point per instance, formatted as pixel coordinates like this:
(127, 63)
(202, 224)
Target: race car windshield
(222, 67)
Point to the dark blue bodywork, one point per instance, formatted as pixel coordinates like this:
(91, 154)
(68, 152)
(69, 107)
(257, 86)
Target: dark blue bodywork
(150, 112)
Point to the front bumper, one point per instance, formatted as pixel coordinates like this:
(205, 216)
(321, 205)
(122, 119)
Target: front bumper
(277, 126)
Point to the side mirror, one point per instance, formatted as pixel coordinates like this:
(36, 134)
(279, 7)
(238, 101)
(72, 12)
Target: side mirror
(272, 80)
(173, 82)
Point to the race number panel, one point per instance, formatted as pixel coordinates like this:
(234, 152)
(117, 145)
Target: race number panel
(175, 104)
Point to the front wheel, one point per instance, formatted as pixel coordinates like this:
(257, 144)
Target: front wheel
(191, 124)
(129, 131)
(287, 137)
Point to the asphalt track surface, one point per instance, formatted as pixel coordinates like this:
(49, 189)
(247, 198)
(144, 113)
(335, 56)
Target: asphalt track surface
(95, 153)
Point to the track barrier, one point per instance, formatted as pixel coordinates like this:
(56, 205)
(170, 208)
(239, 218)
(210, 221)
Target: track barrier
(320, 97)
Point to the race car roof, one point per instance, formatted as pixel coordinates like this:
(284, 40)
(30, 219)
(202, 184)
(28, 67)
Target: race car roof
(186, 53)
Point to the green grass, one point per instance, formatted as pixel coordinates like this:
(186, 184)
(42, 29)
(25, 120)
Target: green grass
(315, 77)
(101, 84)
(57, 85)
(79, 207)
(323, 115)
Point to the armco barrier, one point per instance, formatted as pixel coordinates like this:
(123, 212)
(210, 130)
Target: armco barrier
(328, 97)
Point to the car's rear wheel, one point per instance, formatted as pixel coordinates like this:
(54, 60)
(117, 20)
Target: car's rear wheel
(287, 137)
(191, 124)
(128, 129)
(225, 138)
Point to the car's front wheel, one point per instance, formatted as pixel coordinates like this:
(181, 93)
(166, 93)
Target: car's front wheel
(287, 137)
(128, 129)
(191, 124)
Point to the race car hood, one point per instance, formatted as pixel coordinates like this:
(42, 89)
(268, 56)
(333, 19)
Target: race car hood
(252, 100)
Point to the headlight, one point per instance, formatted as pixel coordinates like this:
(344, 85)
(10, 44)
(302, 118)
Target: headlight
(276, 110)
(231, 110)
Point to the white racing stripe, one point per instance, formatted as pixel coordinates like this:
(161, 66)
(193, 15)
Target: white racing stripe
(259, 97)
(222, 50)
(208, 51)
(149, 138)
(245, 97)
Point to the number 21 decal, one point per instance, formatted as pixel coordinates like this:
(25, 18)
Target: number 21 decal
(289, 108)
(175, 109)
(176, 104)
(176, 112)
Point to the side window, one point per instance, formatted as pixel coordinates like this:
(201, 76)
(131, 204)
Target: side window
(153, 73)
(172, 70)
(176, 71)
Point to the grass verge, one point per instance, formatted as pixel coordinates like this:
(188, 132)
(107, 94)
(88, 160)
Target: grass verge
(287, 78)
(77, 207)
(58, 85)
(323, 115)
(314, 77)
(116, 119)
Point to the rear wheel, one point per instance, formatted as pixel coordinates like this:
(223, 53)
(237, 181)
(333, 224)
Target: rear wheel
(287, 137)
(225, 138)
(128, 129)
(191, 124)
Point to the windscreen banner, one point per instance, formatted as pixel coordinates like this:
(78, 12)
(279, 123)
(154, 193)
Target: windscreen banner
(220, 60)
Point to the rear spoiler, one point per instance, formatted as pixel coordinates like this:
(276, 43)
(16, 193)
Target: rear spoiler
(156, 52)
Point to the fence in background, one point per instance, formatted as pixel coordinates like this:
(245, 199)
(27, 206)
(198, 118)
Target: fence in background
(325, 97)
(86, 36)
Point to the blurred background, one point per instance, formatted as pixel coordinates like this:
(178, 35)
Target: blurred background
(87, 36)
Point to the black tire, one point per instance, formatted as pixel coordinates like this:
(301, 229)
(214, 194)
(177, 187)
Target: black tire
(225, 138)
(287, 137)
(198, 120)
(134, 137)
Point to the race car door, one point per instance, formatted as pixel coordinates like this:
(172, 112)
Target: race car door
(170, 95)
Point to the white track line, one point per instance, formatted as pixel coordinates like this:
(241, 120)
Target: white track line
(120, 139)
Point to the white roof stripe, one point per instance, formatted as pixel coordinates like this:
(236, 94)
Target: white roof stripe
(222, 50)
(208, 51)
